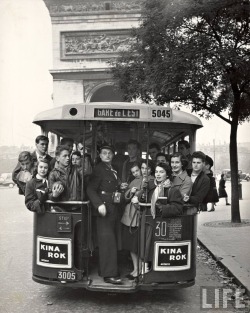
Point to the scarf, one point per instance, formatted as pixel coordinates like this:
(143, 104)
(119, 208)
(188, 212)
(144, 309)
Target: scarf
(158, 192)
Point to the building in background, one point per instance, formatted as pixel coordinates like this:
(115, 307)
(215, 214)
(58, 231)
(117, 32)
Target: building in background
(87, 34)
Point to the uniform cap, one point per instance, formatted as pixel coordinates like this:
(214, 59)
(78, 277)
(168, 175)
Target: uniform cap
(109, 147)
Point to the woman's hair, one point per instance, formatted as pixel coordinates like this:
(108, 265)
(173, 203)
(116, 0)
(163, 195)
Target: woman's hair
(78, 153)
(136, 163)
(166, 167)
(183, 159)
(150, 165)
(24, 156)
(42, 161)
(222, 175)
(61, 148)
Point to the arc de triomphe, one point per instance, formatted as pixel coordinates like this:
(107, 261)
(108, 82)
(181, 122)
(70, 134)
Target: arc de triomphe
(85, 35)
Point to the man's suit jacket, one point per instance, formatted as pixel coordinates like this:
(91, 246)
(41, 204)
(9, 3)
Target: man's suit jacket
(200, 189)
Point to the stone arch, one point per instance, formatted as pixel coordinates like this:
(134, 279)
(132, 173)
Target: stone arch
(104, 92)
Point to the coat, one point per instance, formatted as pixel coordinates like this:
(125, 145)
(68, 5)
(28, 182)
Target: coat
(222, 188)
(212, 195)
(200, 189)
(103, 183)
(71, 178)
(130, 215)
(173, 207)
(34, 197)
(183, 182)
(102, 180)
(18, 168)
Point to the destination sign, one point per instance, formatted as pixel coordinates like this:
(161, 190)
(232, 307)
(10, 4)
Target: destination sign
(172, 256)
(117, 113)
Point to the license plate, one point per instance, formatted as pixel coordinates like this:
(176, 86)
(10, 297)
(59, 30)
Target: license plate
(66, 275)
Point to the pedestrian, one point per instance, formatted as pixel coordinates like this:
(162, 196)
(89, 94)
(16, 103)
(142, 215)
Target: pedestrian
(222, 189)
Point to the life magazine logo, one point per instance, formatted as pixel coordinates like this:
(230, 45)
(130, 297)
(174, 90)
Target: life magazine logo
(53, 252)
(169, 256)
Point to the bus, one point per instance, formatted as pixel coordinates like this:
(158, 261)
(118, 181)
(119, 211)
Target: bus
(63, 251)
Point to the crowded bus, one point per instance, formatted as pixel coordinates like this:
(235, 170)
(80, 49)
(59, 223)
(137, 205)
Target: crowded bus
(115, 189)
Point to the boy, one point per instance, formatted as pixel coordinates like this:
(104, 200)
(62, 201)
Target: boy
(23, 171)
(64, 179)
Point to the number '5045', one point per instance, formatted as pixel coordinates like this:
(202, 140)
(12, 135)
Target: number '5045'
(161, 113)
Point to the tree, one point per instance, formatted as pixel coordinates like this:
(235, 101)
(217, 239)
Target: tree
(194, 53)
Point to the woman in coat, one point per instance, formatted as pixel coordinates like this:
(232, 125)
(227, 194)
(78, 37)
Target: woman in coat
(222, 189)
(171, 206)
(180, 178)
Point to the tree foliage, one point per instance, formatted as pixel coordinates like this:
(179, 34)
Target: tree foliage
(193, 52)
(196, 53)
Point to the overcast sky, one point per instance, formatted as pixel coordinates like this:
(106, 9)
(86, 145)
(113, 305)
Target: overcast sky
(25, 82)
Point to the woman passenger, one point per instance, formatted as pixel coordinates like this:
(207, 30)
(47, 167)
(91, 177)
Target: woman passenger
(76, 158)
(171, 206)
(36, 191)
(130, 219)
(180, 178)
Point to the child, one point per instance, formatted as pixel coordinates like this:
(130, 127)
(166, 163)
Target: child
(23, 171)
(130, 219)
(36, 192)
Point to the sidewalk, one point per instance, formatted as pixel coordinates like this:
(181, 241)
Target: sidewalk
(230, 245)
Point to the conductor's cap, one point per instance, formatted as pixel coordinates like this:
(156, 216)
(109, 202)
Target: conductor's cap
(108, 147)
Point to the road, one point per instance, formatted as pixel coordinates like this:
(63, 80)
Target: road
(19, 294)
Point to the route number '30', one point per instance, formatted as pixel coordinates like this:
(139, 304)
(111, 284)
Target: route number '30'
(161, 229)
(161, 113)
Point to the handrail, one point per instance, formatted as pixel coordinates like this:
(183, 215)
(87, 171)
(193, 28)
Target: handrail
(145, 204)
(67, 202)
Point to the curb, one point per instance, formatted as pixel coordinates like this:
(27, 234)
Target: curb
(229, 265)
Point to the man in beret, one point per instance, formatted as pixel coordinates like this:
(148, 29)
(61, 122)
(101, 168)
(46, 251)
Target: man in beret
(102, 188)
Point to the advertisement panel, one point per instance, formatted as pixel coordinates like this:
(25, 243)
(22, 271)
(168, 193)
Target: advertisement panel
(53, 252)
(172, 256)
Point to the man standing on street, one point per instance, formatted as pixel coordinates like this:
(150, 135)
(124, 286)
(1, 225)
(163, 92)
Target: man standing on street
(102, 192)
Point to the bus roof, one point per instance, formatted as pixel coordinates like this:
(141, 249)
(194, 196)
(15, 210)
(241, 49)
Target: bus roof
(116, 111)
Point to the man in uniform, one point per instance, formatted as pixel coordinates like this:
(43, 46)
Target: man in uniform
(102, 194)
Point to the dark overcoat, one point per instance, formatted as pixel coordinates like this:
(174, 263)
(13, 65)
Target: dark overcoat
(103, 183)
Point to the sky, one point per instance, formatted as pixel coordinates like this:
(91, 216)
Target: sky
(26, 87)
